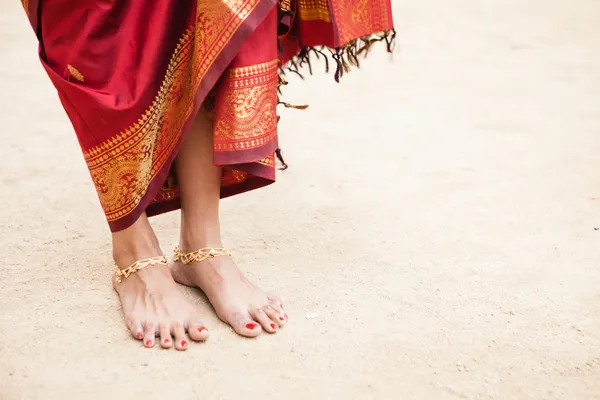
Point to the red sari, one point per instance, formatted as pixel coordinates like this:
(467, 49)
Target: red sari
(132, 76)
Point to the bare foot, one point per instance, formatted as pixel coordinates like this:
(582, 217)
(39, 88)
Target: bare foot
(152, 304)
(236, 300)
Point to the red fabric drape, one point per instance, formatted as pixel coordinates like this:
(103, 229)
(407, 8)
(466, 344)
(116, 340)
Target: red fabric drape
(132, 75)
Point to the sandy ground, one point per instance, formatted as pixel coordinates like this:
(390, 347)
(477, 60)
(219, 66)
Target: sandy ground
(440, 218)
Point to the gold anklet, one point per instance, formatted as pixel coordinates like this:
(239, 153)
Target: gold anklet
(199, 255)
(121, 274)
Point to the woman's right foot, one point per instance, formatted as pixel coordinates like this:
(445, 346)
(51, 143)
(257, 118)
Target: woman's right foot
(237, 301)
(152, 304)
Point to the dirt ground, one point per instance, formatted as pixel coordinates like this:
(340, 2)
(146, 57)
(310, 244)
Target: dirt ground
(436, 236)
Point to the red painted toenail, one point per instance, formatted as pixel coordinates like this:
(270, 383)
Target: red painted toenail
(250, 326)
(202, 329)
(167, 341)
(281, 319)
(140, 336)
(273, 326)
(148, 342)
(183, 343)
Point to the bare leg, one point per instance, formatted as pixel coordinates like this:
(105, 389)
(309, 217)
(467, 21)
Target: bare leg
(235, 299)
(152, 303)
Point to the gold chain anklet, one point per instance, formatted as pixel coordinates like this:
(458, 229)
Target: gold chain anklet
(121, 274)
(199, 255)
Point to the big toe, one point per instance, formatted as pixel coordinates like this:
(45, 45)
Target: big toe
(244, 325)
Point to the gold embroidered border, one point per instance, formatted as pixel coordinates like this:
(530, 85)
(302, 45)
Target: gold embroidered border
(269, 161)
(123, 166)
(311, 10)
(245, 117)
(149, 122)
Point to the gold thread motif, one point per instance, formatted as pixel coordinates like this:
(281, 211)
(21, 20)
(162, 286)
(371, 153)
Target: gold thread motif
(123, 166)
(268, 161)
(356, 18)
(233, 177)
(75, 73)
(285, 5)
(314, 10)
(245, 116)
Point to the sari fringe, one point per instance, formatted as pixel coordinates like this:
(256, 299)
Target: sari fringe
(345, 58)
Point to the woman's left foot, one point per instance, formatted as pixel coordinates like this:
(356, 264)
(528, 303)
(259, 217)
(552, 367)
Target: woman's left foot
(237, 301)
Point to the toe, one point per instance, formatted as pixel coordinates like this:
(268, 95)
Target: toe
(135, 327)
(181, 342)
(276, 314)
(243, 325)
(275, 300)
(267, 323)
(150, 335)
(197, 331)
(166, 341)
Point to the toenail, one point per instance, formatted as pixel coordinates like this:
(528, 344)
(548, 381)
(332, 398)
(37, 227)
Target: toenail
(286, 316)
(281, 319)
(250, 326)
(140, 336)
(167, 341)
(273, 326)
(183, 343)
(148, 342)
(202, 328)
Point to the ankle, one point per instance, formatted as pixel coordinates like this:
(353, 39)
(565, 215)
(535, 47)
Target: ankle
(135, 243)
(197, 236)
(126, 253)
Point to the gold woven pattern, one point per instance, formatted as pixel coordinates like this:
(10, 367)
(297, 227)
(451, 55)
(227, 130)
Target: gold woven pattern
(121, 274)
(199, 255)
(75, 73)
(314, 10)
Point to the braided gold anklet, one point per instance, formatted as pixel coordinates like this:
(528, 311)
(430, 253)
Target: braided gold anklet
(199, 255)
(121, 274)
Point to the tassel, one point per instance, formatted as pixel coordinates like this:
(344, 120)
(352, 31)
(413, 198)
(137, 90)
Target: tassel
(339, 71)
(390, 41)
(320, 52)
(351, 54)
(345, 57)
(288, 105)
(304, 58)
(284, 166)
